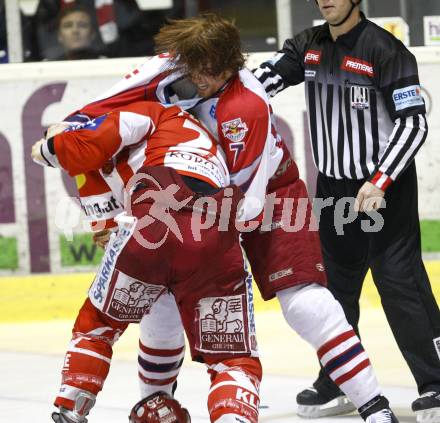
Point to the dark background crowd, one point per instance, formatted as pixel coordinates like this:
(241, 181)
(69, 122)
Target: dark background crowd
(84, 29)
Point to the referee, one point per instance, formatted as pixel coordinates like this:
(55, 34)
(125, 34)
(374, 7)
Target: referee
(367, 122)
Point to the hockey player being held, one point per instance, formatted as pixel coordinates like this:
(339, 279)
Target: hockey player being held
(165, 150)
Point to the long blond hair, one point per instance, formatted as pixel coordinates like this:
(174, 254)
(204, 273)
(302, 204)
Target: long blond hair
(206, 43)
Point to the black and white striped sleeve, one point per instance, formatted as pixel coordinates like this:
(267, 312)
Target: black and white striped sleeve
(400, 87)
(284, 69)
(273, 82)
(408, 135)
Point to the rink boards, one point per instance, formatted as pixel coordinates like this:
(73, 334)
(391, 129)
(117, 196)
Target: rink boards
(48, 297)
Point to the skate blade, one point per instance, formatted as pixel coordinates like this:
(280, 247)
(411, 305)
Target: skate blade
(335, 407)
(432, 415)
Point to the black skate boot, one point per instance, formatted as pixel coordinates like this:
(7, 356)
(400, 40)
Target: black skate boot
(427, 407)
(378, 411)
(314, 403)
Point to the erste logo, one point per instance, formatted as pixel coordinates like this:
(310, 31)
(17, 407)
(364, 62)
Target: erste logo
(408, 97)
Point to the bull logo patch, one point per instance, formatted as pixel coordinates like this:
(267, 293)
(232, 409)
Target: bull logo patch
(235, 129)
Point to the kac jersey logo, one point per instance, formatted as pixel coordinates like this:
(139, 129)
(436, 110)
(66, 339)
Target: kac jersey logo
(408, 97)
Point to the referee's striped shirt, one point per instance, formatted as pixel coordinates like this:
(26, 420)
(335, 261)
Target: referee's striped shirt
(366, 113)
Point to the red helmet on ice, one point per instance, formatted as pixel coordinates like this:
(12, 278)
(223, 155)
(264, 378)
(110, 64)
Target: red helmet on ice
(159, 408)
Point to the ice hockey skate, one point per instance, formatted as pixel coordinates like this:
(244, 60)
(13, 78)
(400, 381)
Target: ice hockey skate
(427, 407)
(67, 416)
(313, 404)
(159, 408)
(382, 416)
(83, 403)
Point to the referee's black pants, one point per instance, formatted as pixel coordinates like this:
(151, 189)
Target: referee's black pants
(394, 256)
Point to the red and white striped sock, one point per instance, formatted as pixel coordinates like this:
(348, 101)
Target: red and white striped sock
(161, 347)
(313, 312)
(158, 368)
(348, 365)
(86, 364)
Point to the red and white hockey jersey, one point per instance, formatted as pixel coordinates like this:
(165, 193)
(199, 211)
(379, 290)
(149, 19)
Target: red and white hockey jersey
(120, 142)
(241, 118)
(239, 115)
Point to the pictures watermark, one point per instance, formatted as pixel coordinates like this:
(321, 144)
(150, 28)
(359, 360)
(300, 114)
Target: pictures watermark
(221, 212)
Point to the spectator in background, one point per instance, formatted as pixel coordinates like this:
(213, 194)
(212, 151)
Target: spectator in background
(27, 27)
(123, 29)
(76, 34)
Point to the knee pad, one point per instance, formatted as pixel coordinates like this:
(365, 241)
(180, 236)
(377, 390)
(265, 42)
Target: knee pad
(313, 312)
(93, 324)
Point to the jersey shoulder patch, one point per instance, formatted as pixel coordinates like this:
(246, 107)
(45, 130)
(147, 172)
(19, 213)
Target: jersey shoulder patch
(235, 129)
(408, 97)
